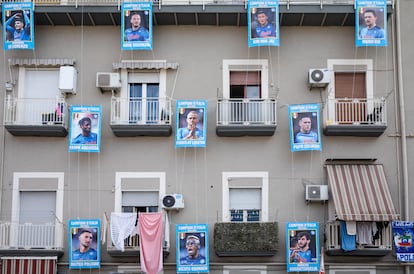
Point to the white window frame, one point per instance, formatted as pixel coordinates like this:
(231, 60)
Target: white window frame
(261, 65)
(120, 187)
(352, 268)
(349, 65)
(58, 187)
(124, 93)
(228, 176)
(244, 269)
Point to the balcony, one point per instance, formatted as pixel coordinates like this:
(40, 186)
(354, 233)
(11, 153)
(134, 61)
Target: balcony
(246, 117)
(31, 239)
(195, 12)
(131, 244)
(132, 117)
(379, 247)
(36, 117)
(246, 239)
(355, 117)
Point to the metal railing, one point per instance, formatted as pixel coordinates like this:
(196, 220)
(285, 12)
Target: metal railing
(31, 236)
(333, 238)
(140, 111)
(246, 112)
(33, 111)
(131, 243)
(188, 2)
(356, 111)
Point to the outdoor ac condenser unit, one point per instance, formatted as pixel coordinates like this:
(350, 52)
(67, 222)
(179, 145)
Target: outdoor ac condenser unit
(172, 201)
(319, 77)
(108, 81)
(316, 193)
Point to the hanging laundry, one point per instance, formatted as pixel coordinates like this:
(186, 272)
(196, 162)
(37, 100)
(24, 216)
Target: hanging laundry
(366, 232)
(150, 239)
(122, 226)
(347, 241)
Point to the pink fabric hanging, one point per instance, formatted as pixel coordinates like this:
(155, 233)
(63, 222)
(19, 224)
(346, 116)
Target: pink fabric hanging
(150, 242)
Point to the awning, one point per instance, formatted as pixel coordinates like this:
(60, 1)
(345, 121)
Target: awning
(29, 265)
(145, 65)
(360, 193)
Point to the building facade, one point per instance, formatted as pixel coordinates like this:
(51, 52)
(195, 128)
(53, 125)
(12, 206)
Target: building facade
(246, 184)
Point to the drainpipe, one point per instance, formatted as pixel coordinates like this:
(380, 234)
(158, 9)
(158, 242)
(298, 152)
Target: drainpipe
(402, 116)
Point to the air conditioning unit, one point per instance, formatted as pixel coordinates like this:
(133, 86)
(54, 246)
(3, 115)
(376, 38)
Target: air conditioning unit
(172, 201)
(67, 79)
(316, 193)
(319, 77)
(108, 81)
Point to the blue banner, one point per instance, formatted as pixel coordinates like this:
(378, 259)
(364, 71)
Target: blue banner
(84, 243)
(263, 23)
(136, 26)
(18, 26)
(302, 247)
(192, 248)
(304, 127)
(85, 128)
(371, 23)
(191, 124)
(403, 233)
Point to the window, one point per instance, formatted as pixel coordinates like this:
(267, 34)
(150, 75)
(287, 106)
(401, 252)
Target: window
(245, 79)
(245, 196)
(360, 269)
(245, 93)
(138, 192)
(253, 269)
(37, 210)
(145, 94)
(352, 98)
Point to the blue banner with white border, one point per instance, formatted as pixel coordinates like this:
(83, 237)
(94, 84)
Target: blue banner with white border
(263, 23)
(191, 123)
(371, 23)
(304, 127)
(403, 233)
(18, 25)
(192, 254)
(84, 243)
(136, 26)
(302, 246)
(85, 128)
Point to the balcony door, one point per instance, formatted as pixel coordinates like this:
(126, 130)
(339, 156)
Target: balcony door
(350, 92)
(245, 86)
(38, 94)
(143, 98)
(37, 219)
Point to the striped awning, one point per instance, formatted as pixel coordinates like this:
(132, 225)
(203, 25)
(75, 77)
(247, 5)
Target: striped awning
(360, 193)
(29, 265)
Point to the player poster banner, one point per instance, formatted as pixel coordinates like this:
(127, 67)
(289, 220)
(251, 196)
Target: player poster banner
(302, 247)
(191, 124)
(263, 23)
(85, 128)
(304, 127)
(192, 248)
(136, 26)
(84, 243)
(371, 23)
(18, 26)
(403, 233)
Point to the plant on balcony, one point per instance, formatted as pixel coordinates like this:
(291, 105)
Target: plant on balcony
(246, 239)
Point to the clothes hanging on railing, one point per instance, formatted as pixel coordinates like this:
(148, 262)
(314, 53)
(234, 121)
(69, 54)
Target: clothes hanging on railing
(122, 226)
(150, 239)
(347, 241)
(366, 232)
